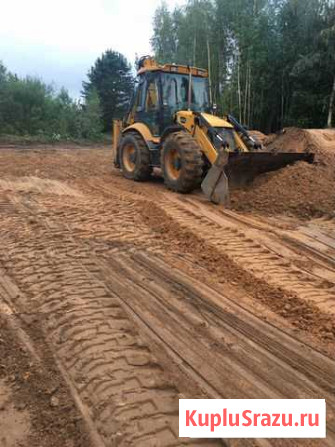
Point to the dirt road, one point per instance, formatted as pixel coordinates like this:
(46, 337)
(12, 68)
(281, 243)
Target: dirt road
(118, 298)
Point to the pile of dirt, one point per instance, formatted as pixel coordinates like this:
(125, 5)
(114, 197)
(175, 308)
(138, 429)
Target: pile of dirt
(290, 139)
(259, 136)
(302, 190)
(321, 142)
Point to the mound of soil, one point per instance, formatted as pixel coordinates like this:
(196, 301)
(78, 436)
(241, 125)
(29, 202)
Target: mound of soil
(321, 142)
(290, 139)
(261, 137)
(302, 190)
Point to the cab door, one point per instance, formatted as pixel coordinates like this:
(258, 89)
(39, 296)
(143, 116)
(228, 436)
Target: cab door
(136, 103)
(148, 108)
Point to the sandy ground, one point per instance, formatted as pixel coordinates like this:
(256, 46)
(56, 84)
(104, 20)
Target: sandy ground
(118, 298)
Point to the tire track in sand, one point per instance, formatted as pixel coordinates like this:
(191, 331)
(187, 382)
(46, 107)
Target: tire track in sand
(130, 400)
(252, 255)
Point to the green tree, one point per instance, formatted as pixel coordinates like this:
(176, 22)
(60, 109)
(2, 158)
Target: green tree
(89, 123)
(112, 79)
(328, 43)
(3, 85)
(308, 61)
(30, 107)
(26, 105)
(3, 73)
(163, 40)
(272, 61)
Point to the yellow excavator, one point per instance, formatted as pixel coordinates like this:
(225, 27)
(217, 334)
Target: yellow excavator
(171, 125)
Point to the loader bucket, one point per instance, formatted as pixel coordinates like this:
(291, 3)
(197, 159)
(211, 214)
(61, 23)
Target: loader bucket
(234, 169)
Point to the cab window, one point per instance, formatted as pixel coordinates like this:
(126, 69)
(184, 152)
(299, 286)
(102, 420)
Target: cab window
(151, 102)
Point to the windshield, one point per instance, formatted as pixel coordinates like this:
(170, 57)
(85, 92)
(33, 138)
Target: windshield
(175, 92)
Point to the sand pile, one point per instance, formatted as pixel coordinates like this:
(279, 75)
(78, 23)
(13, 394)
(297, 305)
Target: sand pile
(259, 136)
(302, 189)
(321, 142)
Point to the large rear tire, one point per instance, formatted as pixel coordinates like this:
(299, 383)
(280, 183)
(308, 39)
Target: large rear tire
(181, 162)
(134, 157)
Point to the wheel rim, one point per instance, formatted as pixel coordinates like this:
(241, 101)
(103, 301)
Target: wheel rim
(173, 164)
(129, 157)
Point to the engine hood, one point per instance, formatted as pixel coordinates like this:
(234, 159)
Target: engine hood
(216, 121)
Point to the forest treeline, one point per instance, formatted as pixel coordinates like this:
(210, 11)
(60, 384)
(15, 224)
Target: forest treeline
(271, 62)
(29, 107)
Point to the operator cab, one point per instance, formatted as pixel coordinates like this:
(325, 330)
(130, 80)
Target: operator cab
(162, 90)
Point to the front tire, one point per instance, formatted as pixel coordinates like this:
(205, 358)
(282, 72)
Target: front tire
(134, 157)
(181, 162)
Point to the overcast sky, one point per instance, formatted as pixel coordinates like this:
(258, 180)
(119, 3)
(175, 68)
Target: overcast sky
(60, 40)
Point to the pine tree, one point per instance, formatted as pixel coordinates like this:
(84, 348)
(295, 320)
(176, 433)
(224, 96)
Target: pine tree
(112, 78)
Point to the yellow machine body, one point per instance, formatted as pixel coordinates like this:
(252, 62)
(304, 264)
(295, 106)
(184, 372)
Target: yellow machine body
(216, 150)
(187, 119)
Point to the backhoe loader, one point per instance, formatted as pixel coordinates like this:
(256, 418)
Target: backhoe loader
(171, 125)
